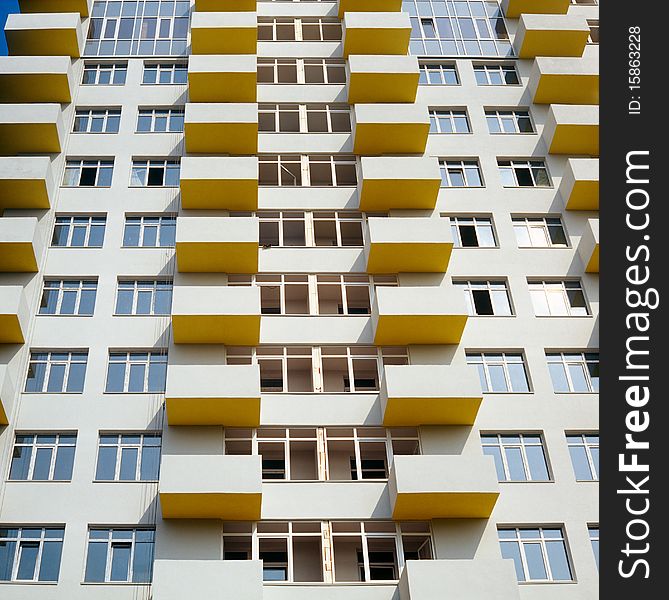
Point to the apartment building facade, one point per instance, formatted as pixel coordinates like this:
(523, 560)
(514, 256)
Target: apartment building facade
(299, 300)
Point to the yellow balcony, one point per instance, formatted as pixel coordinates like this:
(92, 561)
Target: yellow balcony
(217, 244)
(588, 247)
(225, 5)
(376, 33)
(13, 314)
(369, 6)
(219, 182)
(221, 128)
(413, 245)
(417, 315)
(413, 395)
(216, 315)
(30, 129)
(579, 187)
(565, 80)
(19, 245)
(374, 78)
(6, 394)
(26, 182)
(44, 6)
(222, 78)
(442, 487)
(55, 34)
(551, 35)
(405, 182)
(224, 33)
(226, 395)
(572, 129)
(35, 79)
(210, 487)
(390, 128)
(515, 8)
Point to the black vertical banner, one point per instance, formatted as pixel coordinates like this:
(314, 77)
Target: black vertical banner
(634, 270)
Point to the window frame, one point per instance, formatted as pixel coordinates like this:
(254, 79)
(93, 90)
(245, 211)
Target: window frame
(91, 113)
(169, 218)
(302, 65)
(516, 113)
(165, 66)
(593, 465)
(48, 368)
(469, 286)
(119, 445)
(72, 225)
(567, 358)
(121, 67)
(522, 444)
(549, 286)
(454, 116)
(20, 540)
(169, 112)
(47, 285)
(35, 445)
(102, 166)
(108, 555)
(136, 292)
(504, 363)
(540, 222)
(465, 165)
(532, 165)
(426, 68)
(463, 220)
(129, 361)
(502, 68)
(147, 164)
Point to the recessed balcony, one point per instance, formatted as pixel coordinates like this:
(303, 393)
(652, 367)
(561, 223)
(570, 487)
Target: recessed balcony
(226, 395)
(221, 128)
(376, 33)
(588, 247)
(572, 129)
(6, 394)
(30, 129)
(413, 395)
(225, 5)
(210, 487)
(224, 33)
(390, 128)
(13, 314)
(442, 487)
(559, 80)
(374, 78)
(44, 34)
(217, 244)
(219, 182)
(222, 78)
(417, 315)
(26, 182)
(369, 6)
(19, 246)
(413, 245)
(551, 35)
(44, 6)
(35, 79)
(579, 187)
(216, 315)
(514, 8)
(404, 182)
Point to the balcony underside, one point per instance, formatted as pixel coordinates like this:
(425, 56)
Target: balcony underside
(217, 257)
(408, 329)
(236, 330)
(442, 505)
(229, 507)
(404, 412)
(231, 412)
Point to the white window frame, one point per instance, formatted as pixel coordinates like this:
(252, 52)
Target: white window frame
(522, 445)
(19, 540)
(146, 164)
(574, 358)
(310, 218)
(301, 66)
(439, 69)
(303, 162)
(469, 286)
(35, 445)
(167, 113)
(120, 445)
(558, 289)
(79, 164)
(303, 111)
(100, 67)
(500, 69)
(165, 67)
(534, 166)
(588, 447)
(143, 226)
(58, 285)
(456, 221)
(129, 362)
(144, 285)
(50, 363)
(464, 165)
(110, 545)
(536, 225)
(487, 361)
(273, 23)
(71, 225)
(511, 115)
(94, 114)
(451, 115)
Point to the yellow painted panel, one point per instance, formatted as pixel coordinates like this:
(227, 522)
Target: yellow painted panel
(225, 5)
(231, 412)
(43, 42)
(390, 138)
(10, 330)
(224, 40)
(221, 138)
(419, 329)
(385, 194)
(39, 87)
(222, 87)
(444, 505)
(17, 257)
(575, 139)
(230, 507)
(236, 330)
(220, 194)
(593, 263)
(369, 6)
(3, 415)
(567, 89)
(217, 257)
(376, 41)
(430, 411)
(551, 42)
(382, 87)
(584, 196)
(27, 138)
(23, 193)
(47, 6)
(408, 258)
(516, 8)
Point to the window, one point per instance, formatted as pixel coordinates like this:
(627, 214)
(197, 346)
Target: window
(438, 74)
(496, 75)
(311, 118)
(460, 173)
(68, 297)
(289, 29)
(585, 2)
(500, 372)
(89, 120)
(302, 70)
(574, 372)
(138, 28)
(486, 298)
(136, 372)
(165, 73)
(119, 555)
(448, 121)
(88, 173)
(466, 28)
(517, 456)
(584, 452)
(593, 532)
(348, 294)
(558, 298)
(43, 457)
(144, 297)
(105, 73)
(150, 231)
(160, 120)
(56, 372)
(307, 170)
(523, 173)
(322, 228)
(128, 457)
(539, 232)
(155, 173)
(473, 232)
(539, 554)
(593, 24)
(30, 553)
(509, 121)
(78, 231)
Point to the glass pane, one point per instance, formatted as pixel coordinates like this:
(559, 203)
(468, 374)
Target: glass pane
(42, 464)
(106, 463)
(142, 565)
(537, 463)
(557, 559)
(150, 463)
(64, 462)
(75, 379)
(559, 378)
(115, 377)
(579, 460)
(514, 459)
(128, 464)
(50, 563)
(120, 562)
(27, 560)
(535, 561)
(497, 456)
(20, 465)
(511, 550)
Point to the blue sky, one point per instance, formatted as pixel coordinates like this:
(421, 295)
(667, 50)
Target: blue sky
(6, 6)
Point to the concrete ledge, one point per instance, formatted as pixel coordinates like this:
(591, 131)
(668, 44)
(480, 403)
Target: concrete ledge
(35, 79)
(44, 34)
(26, 182)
